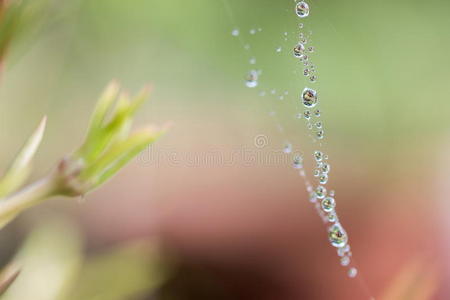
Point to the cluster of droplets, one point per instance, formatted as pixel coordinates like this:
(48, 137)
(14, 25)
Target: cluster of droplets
(323, 199)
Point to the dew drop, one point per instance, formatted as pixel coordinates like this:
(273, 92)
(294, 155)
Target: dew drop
(326, 169)
(321, 192)
(318, 125)
(252, 31)
(320, 134)
(323, 179)
(352, 273)
(307, 114)
(313, 78)
(317, 113)
(287, 148)
(318, 156)
(298, 162)
(235, 32)
(299, 50)
(309, 97)
(252, 79)
(302, 9)
(278, 50)
(328, 204)
(337, 235)
(345, 261)
(252, 61)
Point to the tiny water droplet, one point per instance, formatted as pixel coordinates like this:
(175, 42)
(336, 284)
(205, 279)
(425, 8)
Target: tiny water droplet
(235, 32)
(298, 162)
(287, 148)
(320, 134)
(352, 272)
(302, 9)
(278, 50)
(252, 61)
(252, 31)
(318, 155)
(345, 261)
(252, 79)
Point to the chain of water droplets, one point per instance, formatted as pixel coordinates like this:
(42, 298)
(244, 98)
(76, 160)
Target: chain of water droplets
(323, 200)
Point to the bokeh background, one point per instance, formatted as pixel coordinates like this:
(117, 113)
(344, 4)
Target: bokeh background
(232, 220)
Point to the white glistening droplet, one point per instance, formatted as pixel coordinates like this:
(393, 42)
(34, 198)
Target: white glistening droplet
(302, 9)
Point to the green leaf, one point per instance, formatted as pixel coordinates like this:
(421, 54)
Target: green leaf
(21, 167)
(119, 155)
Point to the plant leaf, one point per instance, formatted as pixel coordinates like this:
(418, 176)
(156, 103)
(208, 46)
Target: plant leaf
(21, 167)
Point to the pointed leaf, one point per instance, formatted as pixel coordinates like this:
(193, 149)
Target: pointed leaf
(21, 167)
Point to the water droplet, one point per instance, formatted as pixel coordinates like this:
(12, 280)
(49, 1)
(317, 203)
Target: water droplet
(320, 134)
(299, 50)
(306, 72)
(352, 273)
(337, 235)
(278, 50)
(345, 261)
(299, 116)
(316, 173)
(332, 217)
(302, 9)
(323, 179)
(298, 162)
(328, 204)
(301, 25)
(252, 31)
(310, 49)
(317, 113)
(287, 148)
(252, 79)
(307, 114)
(342, 251)
(309, 97)
(321, 192)
(332, 193)
(318, 156)
(252, 61)
(326, 169)
(319, 125)
(313, 78)
(235, 32)
(313, 197)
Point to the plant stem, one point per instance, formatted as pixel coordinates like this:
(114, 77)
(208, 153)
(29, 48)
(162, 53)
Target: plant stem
(31, 195)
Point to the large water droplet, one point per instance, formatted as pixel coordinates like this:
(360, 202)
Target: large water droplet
(302, 9)
(337, 235)
(309, 97)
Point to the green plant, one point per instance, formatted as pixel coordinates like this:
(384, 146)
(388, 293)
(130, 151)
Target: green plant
(108, 146)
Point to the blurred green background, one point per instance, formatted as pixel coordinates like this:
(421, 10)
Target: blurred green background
(383, 70)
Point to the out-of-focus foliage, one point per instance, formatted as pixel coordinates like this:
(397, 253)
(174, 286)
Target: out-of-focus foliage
(49, 260)
(18, 17)
(53, 267)
(418, 280)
